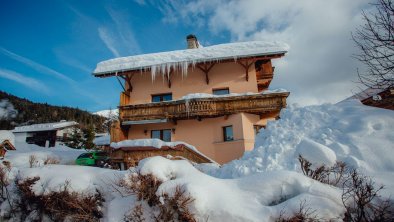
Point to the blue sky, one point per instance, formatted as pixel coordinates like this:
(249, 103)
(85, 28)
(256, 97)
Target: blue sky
(51, 47)
(48, 49)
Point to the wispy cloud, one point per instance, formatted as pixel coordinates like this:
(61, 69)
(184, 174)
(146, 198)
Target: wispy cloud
(45, 70)
(108, 40)
(124, 30)
(36, 66)
(26, 81)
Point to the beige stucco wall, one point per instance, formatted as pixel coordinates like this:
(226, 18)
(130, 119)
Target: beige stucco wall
(207, 134)
(231, 75)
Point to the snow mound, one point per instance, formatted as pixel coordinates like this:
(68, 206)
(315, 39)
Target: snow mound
(7, 135)
(20, 156)
(317, 153)
(358, 135)
(81, 179)
(260, 197)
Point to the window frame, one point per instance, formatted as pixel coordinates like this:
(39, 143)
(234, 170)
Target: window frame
(161, 96)
(225, 133)
(220, 89)
(161, 134)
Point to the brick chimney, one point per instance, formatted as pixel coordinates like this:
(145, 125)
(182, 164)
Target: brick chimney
(192, 42)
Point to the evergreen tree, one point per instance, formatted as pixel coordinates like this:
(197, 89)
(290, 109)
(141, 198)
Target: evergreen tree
(88, 137)
(76, 141)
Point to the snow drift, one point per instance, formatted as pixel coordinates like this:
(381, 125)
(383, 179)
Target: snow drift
(359, 135)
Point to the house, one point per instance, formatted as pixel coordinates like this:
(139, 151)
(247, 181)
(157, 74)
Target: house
(215, 98)
(377, 97)
(45, 134)
(6, 142)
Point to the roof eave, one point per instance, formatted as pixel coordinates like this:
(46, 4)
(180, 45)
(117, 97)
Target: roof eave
(144, 68)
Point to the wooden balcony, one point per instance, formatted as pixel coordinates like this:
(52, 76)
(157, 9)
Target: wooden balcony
(204, 107)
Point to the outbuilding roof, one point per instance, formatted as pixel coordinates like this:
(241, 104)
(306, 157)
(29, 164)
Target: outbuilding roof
(44, 126)
(162, 62)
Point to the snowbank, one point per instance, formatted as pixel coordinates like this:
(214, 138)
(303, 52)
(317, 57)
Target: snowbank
(7, 135)
(359, 135)
(81, 179)
(260, 197)
(20, 156)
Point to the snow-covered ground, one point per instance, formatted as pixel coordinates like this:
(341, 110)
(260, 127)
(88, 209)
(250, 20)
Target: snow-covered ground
(359, 135)
(262, 184)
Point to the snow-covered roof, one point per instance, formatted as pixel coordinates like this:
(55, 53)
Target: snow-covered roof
(102, 140)
(156, 143)
(162, 62)
(366, 93)
(44, 126)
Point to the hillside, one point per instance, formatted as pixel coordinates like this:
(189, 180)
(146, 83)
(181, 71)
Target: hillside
(23, 112)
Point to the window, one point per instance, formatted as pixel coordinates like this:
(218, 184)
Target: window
(228, 133)
(162, 97)
(222, 91)
(257, 128)
(164, 135)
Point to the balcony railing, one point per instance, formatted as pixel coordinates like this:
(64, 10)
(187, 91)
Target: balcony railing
(204, 107)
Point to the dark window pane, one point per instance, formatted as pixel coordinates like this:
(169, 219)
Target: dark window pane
(156, 98)
(155, 134)
(167, 97)
(228, 133)
(167, 135)
(221, 91)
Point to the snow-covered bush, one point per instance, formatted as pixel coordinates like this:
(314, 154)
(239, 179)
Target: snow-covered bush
(61, 205)
(161, 206)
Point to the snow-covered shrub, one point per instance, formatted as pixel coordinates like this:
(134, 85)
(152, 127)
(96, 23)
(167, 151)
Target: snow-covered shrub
(163, 207)
(51, 160)
(362, 200)
(333, 175)
(304, 214)
(61, 205)
(33, 162)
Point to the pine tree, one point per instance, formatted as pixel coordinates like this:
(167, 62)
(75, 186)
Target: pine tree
(89, 137)
(76, 140)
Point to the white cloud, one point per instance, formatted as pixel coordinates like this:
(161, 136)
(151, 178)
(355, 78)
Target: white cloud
(26, 81)
(38, 67)
(124, 31)
(108, 40)
(318, 67)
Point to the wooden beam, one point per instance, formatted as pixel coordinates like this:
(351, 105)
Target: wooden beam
(128, 80)
(205, 69)
(121, 84)
(246, 63)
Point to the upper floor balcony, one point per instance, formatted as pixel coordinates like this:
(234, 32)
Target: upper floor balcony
(198, 108)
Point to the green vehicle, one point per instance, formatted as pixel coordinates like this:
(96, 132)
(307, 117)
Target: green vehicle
(94, 158)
